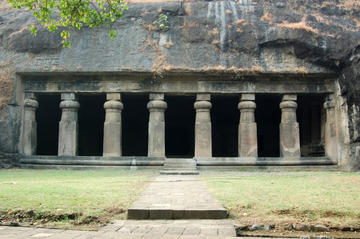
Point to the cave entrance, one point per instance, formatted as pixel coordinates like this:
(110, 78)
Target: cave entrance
(225, 120)
(311, 118)
(135, 119)
(268, 117)
(48, 116)
(91, 124)
(179, 126)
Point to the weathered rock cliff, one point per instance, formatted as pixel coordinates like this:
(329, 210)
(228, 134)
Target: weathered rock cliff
(243, 37)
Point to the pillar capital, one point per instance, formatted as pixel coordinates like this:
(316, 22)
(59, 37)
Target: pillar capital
(69, 104)
(246, 105)
(157, 105)
(156, 96)
(292, 105)
(202, 105)
(113, 104)
(113, 96)
(247, 97)
(31, 103)
(203, 97)
(289, 97)
(329, 103)
(68, 96)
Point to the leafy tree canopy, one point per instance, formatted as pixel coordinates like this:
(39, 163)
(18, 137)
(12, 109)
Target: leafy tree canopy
(73, 14)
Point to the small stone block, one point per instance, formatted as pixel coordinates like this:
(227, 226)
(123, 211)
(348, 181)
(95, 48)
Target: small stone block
(156, 96)
(160, 214)
(138, 213)
(203, 97)
(246, 97)
(289, 97)
(30, 95)
(205, 214)
(113, 96)
(178, 214)
(68, 96)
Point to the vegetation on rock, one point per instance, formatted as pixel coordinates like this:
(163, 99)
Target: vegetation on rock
(73, 14)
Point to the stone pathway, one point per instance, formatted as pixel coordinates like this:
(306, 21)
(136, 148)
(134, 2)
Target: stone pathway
(131, 229)
(177, 197)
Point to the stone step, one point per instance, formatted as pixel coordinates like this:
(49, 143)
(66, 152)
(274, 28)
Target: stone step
(179, 166)
(154, 213)
(176, 168)
(179, 172)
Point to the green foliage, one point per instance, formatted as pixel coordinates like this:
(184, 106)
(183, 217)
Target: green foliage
(162, 22)
(73, 14)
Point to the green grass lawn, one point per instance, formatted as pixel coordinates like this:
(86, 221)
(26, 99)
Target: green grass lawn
(58, 192)
(331, 198)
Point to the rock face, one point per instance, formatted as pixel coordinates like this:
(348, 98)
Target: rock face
(244, 37)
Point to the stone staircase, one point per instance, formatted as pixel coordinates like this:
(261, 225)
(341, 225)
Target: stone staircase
(179, 166)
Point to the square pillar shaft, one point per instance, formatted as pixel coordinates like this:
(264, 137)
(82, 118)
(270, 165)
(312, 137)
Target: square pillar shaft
(30, 125)
(68, 126)
(112, 125)
(247, 131)
(203, 138)
(156, 136)
(289, 128)
(330, 129)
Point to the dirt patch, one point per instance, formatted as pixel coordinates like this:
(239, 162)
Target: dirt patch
(299, 222)
(75, 219)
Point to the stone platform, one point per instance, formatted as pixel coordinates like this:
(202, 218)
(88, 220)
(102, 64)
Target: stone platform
(177, 197)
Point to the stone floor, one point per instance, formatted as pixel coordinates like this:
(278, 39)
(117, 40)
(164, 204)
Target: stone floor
(177, 197)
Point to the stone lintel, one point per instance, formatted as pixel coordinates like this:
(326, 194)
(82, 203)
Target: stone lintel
(68, 96)
(247, 97)
(113, 96)
(203, 97)
(289, 97)
(156, 96)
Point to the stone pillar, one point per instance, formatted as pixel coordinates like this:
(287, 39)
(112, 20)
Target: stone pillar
(330, 130)
(156, 136)
(68, 125)
(30, 126)
(289, 128)
(203, 141)
(247, 137)
(112, 125)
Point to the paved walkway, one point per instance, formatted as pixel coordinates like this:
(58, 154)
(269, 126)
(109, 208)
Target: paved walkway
(177, 197)
(131, 229)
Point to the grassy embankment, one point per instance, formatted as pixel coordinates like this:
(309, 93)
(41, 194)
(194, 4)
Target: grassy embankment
(66, 198)
(282, 199)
